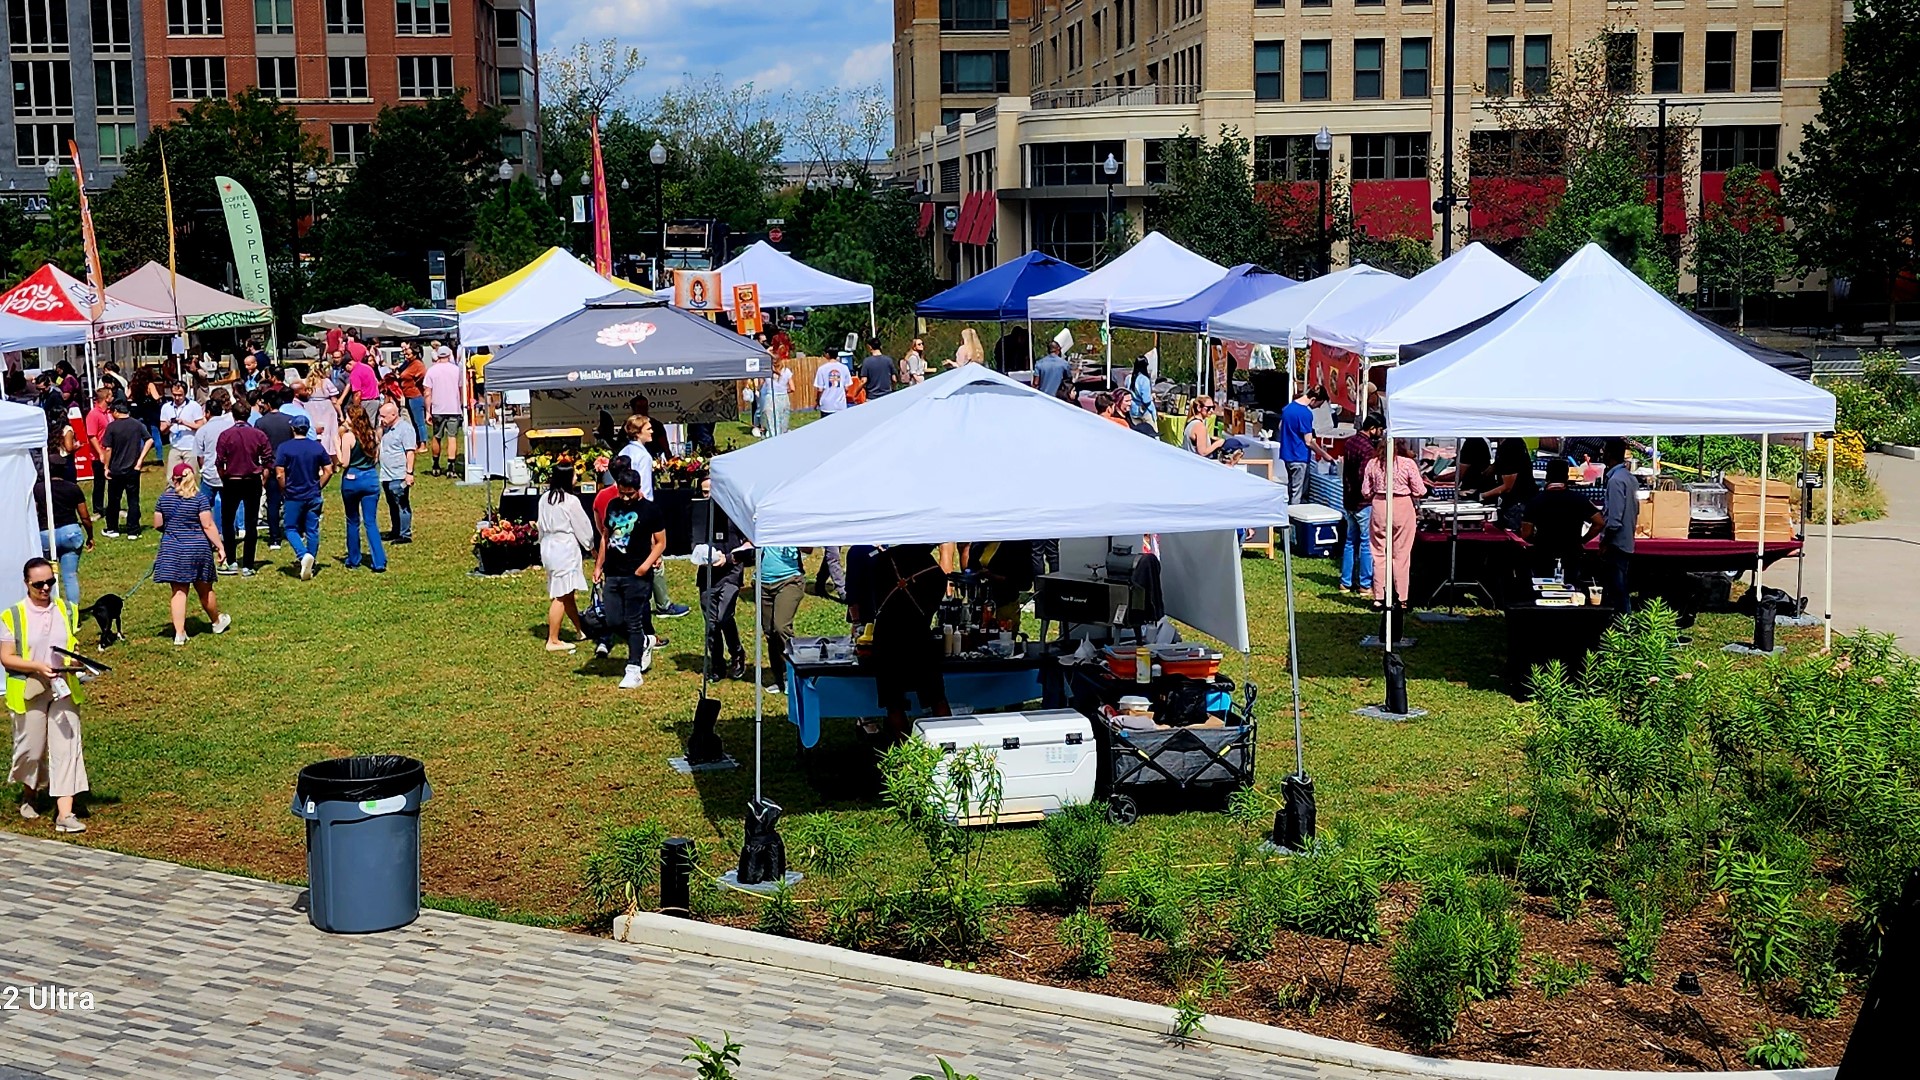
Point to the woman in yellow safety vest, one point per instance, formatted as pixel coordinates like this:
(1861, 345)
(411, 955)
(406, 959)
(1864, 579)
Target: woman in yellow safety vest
(44, 703)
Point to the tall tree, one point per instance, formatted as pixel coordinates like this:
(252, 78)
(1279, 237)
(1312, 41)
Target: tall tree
(1742, 246)
(1853, 186)
(511, 229)
(55, 238)
(1208, 204)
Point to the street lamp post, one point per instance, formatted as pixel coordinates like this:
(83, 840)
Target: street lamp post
(657, 157)
(505, 173)
(1110, 168)
(1323, 142)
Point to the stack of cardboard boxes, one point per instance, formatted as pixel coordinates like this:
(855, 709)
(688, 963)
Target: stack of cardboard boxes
(1782, 508)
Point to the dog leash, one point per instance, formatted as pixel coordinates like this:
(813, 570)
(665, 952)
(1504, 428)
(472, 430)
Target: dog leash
(144, 578)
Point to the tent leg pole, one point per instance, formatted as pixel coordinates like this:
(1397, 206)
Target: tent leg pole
(46, 480)
(1388, 478)
(873, 324)
(1293, 658)
(759, 659)
(1107, 329)
(1827, 593)
(1760, 544)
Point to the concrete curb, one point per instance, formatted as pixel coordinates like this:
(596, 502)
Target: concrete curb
(728, 943)
(1911, 453)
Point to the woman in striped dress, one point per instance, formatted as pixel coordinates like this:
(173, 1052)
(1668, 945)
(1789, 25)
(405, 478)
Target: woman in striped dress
(189, 547)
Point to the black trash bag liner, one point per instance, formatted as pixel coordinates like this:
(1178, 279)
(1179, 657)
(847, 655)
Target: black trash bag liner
(359, 779)
(1784, 604)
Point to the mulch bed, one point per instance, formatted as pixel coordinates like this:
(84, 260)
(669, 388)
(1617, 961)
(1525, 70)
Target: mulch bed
(1598, 1024)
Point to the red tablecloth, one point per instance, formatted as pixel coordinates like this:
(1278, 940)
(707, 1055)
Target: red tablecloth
(1646, 547)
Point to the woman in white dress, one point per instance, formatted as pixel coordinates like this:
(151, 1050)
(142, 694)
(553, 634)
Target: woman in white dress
(565, 532)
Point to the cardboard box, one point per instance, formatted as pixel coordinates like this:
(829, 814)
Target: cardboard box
(1749, 531)
(1643, 524)
(1672, 514)
(1750, 485)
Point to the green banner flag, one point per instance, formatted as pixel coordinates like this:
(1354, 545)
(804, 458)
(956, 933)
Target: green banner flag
(249, 248)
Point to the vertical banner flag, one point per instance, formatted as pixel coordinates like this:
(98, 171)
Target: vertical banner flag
(173, 266)
(249, 249)
(602, 220)
(746, 309)
(96, 277)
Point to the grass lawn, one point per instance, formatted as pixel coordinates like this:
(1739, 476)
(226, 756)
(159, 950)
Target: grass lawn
(193, 751)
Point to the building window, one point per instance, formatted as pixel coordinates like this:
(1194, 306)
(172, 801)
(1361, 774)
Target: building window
(950, 116)
(272, 17)
(1538, 62)
(510, 86)
(1499, 66)
(1516, 153)
(112, 27)
(422, 18)
(1416, 60)
(1721, 148)
(116, 140)
(113, 87)
(1074, 164)
(973, 14)
(1390, 157)
(193, 18)
(346, 77)
(37, 144)
(42, 88)
(982, 72)
(346, 17)
(1623, 62)
(1269, 70)
(350, 142)
(1667, 52)
(1315, 70)
(195, 77)
(1270, 3)
(277, 78)
(426, 76)
(37, 26)
(1316, 3)
(1278, 158)
(1367, 53)
(506, 31)
(1154, 161)
(1720, 61)
(1764, 74)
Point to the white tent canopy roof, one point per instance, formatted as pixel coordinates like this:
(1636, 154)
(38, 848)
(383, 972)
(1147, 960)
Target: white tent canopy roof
(1595, 351)
(1470, 284)
(786, 282)
(23, 432)
(1281, 318)
(361, 317)
(559, 286)
(1152, 272)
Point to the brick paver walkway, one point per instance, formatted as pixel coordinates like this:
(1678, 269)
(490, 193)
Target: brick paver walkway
(201, 974)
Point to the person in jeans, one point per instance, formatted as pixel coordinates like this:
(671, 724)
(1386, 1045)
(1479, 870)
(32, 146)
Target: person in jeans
(127, 444)
(1356, 543)
(360, 490)
(98, 418)
(205, 446)
(303, 466)
(781, 585)
(244, 456)
(72, 531)
(1297, 447)
(277, 424)
(720, 581)
(398, 444)
(633, 539)
(1622, 518)
(409, 382)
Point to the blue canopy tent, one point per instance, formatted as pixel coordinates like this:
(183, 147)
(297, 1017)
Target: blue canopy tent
(1000, 295)
(1243, 284)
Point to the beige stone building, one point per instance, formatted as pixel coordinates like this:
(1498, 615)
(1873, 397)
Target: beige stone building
(1022, 168)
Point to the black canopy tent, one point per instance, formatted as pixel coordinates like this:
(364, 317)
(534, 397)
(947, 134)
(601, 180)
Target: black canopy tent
(625, 339)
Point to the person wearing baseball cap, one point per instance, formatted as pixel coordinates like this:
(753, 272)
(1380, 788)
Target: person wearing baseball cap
(303, 466)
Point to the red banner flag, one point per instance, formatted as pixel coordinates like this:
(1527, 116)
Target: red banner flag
(602, 220)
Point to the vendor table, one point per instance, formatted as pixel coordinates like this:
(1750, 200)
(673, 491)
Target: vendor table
(818, 691)
(1537, 634)
(1498, 558)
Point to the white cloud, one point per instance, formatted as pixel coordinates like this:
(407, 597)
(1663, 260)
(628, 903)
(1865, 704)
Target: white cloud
(868, 64)
(767, 80)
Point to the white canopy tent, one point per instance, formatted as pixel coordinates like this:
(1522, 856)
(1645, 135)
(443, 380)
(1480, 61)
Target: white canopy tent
(1470, 284)
(558, 285)
(791, 491)
(1281, 318)
(1152, 272)
(786, 282)
(23, 430)
(1595, 351)
(361, 317)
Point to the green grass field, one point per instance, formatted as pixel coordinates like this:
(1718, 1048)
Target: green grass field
(193, 751)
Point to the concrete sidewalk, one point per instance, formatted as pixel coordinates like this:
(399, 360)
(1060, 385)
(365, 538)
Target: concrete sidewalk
(1876, 564)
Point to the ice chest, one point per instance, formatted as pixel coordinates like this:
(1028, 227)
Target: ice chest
(1316, 529)
(1046, 758)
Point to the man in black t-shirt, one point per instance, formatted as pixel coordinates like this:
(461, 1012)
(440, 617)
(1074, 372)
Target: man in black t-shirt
(1559, 522)
(879, 370)
(633, 539)
(127, 444)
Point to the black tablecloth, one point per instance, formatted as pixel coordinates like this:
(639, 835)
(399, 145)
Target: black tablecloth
(1536, 635)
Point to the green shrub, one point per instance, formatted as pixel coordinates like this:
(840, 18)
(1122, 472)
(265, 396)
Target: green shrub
(1462, 945)
(931, 793)
(854, 922)
(714, 1062)
(1075, 843)
(1558, 858)
(1397, 852)
(1821, 985)
(821, 843)
(1188, 1017)
(1555, 979)
(1089, 944)
(1639, 918)
(618, 872)
(1765, 921)
(779, 915)
(1778, 1048)
(947, 1072)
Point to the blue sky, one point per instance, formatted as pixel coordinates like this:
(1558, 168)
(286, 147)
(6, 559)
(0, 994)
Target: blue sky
(779, 45)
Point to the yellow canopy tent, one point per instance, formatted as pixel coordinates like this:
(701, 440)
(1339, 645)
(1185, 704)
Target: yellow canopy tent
(475, 299)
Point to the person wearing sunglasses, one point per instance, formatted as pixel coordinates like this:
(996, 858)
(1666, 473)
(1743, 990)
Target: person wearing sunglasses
(42, 701)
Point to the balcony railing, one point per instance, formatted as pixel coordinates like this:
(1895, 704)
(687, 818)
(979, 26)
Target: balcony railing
(1115, 97)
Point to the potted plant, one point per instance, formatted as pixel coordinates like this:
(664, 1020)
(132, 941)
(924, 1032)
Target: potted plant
(680, 472)
(501, 546)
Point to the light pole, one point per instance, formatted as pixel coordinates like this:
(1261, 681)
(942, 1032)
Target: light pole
(1323, 142)
(506, 181)
(657, 157)
(1110, 168)
(1447, 199)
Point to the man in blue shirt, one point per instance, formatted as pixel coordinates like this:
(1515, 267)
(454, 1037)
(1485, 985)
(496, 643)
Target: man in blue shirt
(1297, 447)
(1051, 372)
(1622, 491)
(303, 466)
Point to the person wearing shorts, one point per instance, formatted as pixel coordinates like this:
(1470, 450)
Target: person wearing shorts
(444, 385)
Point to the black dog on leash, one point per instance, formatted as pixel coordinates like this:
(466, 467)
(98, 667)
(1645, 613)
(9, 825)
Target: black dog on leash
(105, 613)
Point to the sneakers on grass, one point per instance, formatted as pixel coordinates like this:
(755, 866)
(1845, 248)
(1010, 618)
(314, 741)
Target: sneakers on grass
(220, 624)
(633, 679)
(306, 568)
(69, 824)
(672, 611)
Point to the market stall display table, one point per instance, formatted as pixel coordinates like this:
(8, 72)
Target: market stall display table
(1498, 558)
(1536, 635)
(818, 691)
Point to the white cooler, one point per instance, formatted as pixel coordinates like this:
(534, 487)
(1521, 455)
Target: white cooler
(1316, 529)
(1046, 758)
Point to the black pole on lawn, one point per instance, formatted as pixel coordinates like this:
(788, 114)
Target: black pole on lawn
(1446, 144)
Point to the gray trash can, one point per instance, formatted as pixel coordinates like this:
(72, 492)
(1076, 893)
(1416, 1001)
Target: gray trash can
(363, 841)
